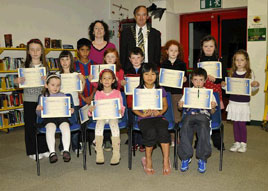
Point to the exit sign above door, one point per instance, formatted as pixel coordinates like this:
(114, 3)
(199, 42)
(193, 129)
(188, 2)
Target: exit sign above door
(207, 4)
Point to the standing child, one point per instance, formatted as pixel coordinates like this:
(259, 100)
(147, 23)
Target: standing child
(196, 120)
(173, 60)
(52, 89)
(153, 126)
(136, 58)
(66, 67)
(209, 52)
(111, 56)
(82, 65)
(107, 89)
(35, 58)
(238, 107)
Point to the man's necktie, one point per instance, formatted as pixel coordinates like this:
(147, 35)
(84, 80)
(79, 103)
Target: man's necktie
(141, 40)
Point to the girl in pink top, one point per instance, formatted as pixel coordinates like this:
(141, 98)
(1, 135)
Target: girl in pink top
(107, 90)
(111, 56)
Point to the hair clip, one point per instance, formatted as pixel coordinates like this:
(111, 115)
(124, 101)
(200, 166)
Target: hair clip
(52, 76)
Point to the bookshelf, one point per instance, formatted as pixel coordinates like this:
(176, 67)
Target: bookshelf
(11, 101)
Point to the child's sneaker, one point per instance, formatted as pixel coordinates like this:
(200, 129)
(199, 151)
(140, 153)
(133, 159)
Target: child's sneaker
(202, 166)
(172, 144)
(243, 147)
(185, 164)
(235, 147)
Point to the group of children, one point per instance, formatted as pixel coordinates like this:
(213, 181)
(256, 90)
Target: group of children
(153, 126)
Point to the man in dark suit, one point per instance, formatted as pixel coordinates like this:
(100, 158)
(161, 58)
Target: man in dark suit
(143, 36)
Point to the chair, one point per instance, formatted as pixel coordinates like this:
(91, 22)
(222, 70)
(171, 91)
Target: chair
(40, 129)
(216, 124)
(170, 118)
(122, 123)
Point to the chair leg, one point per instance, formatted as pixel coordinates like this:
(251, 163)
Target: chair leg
(134, 143)
(221, 151)
(37, 154)
(84, 140)
(130, 148)
(78, 143)
(175, 150)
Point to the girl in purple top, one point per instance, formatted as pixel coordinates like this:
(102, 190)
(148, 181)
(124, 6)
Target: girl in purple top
(238, 107)
(99, 35)
(154, 128)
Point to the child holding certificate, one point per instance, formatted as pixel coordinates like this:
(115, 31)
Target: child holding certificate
(173, 59)
(153, 126)
(52, 89)
(35, 58)
(209, 52)
(196, 120)
(107, 89)
(66, 67)
(238, 107)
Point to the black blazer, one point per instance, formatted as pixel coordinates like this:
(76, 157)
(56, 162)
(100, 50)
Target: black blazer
(127, 43)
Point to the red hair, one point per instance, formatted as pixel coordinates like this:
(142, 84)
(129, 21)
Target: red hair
(180, 48)
(117, 62)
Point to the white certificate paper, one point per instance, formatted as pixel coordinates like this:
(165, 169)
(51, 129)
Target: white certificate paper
(147, 99)
(238, 86)
(55, 107)
(132, 82)
(213, 68)
(106, 109)
(33, 77)
(171, 78)
(83, 114)
(95, 70)
(197, 98)
(70, 82)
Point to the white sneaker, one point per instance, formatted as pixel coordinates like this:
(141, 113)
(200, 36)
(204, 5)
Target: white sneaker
(80, 151)
(172, 144)
(243, 148)
(235, 147)
(40, 156)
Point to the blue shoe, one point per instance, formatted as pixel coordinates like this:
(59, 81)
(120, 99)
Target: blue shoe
(202, 166)
(185, 164)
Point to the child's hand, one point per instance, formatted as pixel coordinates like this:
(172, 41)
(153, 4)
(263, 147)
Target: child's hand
(121, 112)
(211, 78)
(223, 84)
(184, 79)
(255, 84)
(90, 77)
(39, 108)
(88, 100)
(180, 103)
(213, 105)
(20, 80)
(123, 82)
(72, 110)
(155, 113)
(43, 78)
(91, 108)
(147, 113)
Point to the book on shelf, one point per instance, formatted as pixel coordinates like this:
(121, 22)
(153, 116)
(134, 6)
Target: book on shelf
(10, 118)
(7, 82)
(53, 63)
(11, 100)
(8, 63)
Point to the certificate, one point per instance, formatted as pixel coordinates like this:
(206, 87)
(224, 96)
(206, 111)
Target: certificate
(213, 68)
(55, 107)
(147, 99)
(83, 114)
(238, 86)
(132, 82)
(197, 98)
(70, 82)
(33, 77)
(95, 70)
(106, 109)
(171, 78)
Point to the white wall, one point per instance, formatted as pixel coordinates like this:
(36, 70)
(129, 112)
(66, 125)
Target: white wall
(67, 20)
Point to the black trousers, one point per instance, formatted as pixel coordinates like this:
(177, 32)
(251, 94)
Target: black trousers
(198, 123)
(30, 120)
(154, 130)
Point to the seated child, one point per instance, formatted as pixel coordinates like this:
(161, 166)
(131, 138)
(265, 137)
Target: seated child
(196, 120)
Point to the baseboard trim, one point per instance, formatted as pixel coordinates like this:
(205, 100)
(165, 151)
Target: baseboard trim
(255, 123)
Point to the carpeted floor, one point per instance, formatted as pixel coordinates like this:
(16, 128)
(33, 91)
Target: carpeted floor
(245, 172)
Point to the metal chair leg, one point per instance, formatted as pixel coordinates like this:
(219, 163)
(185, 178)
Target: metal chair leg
(84, 140)
(37, 154)
(175, 150)
(221, 151)
(130, 148)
